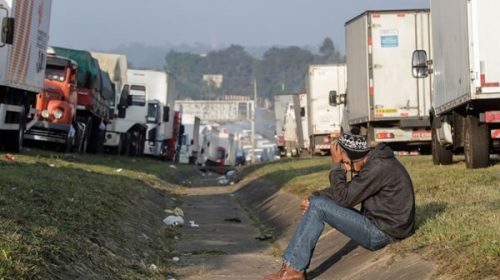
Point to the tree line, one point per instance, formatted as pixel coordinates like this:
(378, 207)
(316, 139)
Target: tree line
(280, 70)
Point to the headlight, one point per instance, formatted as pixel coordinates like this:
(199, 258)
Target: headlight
(58, 114)
(45, 114)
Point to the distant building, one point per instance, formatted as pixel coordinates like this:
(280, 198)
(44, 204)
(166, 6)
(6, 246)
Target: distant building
(236, 97)
(215, 80)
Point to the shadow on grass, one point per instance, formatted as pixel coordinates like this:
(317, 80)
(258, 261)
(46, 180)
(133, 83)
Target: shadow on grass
(428, 212)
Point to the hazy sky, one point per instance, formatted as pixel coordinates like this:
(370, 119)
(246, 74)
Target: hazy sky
(105, 24)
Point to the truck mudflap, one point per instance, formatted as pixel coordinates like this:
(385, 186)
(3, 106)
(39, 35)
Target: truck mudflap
(9, 109)
(49, 132)
(402, 135)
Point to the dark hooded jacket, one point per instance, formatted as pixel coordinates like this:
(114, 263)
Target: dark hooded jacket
(384, 189)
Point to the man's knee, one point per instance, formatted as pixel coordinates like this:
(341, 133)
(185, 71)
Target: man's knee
(320, 202)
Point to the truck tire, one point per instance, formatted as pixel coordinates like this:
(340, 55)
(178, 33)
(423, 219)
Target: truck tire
(14, 138)
(86, 136)
(440, 155)
(476, 143)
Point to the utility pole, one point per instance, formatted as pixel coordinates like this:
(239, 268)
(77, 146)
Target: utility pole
(254, 119)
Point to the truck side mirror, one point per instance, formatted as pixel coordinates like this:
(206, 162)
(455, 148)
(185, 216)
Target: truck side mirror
(419, 64)
(332, 98)
(336, 99)
(7, 31)
(166, 113)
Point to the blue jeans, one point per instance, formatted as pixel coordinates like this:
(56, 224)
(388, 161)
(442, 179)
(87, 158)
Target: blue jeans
(348, 221)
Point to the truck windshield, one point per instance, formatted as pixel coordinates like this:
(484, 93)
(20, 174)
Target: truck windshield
(138, 95)
(55, 73)
(152, 113)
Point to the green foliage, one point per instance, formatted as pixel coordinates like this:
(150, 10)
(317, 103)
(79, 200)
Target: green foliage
(280, 70)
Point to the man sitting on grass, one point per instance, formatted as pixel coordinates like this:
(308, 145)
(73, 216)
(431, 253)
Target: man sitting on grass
(379, 182)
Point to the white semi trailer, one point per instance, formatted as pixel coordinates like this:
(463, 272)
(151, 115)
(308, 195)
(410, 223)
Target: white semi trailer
(152, 92)
(122, 134)
(300, 107)
(384, 101)
(23, 54)
(281, 103)
(324, 118)
(465, 66)
(190, 140)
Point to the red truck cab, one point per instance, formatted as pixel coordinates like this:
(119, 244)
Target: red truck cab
(56, 104)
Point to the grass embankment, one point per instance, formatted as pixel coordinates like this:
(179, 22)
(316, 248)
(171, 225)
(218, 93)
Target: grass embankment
(458, 210)
(66, 217)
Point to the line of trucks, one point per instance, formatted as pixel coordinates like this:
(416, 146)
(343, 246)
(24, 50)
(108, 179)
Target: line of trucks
(416, 79)
(79, 100)
(91, 102)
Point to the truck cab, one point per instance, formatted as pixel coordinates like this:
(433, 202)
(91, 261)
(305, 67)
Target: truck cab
(56, 105)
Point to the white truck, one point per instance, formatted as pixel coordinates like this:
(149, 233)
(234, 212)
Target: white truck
(153, 95)
(384, 101)
(465, 65)
(300, 107)
(324, 117)
(122, 134)
(281, 103)
(189, 140)
(23, 53)
(289, 131)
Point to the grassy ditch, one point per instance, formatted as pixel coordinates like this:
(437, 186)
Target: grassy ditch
(458, 210)
(63, 217)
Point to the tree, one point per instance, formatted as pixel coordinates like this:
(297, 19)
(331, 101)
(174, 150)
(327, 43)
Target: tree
(327, 47)
(328, 52)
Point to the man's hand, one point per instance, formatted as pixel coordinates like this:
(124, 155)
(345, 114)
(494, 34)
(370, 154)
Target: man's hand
(304, 204)
(335, 152)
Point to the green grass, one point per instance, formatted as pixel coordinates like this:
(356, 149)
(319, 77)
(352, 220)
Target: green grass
(67, 216)
(458, 210)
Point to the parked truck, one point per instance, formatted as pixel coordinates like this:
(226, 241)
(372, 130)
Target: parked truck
(56, 107)
(122, 133)
(465, 66)
(173, 146)
(324, 118)
(384, 101)
(152, 98)
(280, 107)
(94, 94)
(300, 108)
(23, 51)
(189, 144)
(289, 130)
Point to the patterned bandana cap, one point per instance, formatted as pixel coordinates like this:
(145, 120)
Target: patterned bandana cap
(355, 146)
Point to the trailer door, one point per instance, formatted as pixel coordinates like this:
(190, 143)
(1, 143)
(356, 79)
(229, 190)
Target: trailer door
(395, 35)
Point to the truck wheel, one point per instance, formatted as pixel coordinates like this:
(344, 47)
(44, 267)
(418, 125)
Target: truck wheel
(476, 143)
(67, 145)
(86, 136)
(14, 138)
(440, 155)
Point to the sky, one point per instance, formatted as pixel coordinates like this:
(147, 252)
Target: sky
(107, 24)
